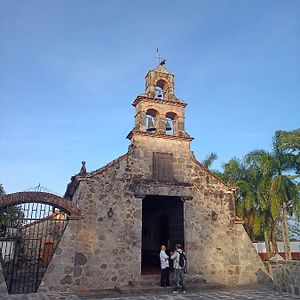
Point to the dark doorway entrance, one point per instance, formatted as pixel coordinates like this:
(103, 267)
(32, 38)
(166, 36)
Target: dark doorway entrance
(162, 224)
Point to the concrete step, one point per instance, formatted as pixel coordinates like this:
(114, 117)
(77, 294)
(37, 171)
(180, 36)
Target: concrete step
(153, 288)
(154, 280)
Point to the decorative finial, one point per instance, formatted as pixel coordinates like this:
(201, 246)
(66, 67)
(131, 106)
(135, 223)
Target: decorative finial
(159, 60)
(83, 169)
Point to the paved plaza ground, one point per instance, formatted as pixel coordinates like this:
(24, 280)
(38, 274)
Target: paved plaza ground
(256, 293)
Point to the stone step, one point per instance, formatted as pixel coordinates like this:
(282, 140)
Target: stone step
(153, 290)
(154, 280)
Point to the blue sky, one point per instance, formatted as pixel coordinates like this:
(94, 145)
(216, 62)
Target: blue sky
(69, 71)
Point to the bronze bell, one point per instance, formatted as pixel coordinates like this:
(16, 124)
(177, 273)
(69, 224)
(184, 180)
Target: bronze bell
(159, 95)
(151, 126)
(168, 125)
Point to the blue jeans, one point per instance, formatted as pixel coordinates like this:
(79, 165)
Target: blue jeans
(179, 279)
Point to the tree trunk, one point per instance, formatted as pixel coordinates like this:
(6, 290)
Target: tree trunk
(274, 249)
(285, 233)
(268, 245)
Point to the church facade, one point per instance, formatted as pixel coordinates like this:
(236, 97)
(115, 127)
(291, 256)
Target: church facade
(157, 193)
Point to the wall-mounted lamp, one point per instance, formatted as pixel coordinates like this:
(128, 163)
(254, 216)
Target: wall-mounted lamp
(214, 216)
(110, 213)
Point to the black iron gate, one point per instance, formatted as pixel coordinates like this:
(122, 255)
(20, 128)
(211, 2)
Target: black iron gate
(29, 235)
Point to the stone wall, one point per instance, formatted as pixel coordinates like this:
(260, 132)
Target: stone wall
(106, 251)
(99, 252)
(247, 261)
(286, 276)
(64, 268)
(221, 250)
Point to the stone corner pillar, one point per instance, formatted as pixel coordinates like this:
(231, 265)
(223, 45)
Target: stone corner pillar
(251, 268)
(59, 276)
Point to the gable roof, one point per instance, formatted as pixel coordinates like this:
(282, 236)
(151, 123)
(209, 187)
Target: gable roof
(73, 184)
(107, 166)
(210, 173)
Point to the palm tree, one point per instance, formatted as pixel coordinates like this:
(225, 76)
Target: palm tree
(209, 159)
(260, 164)
(285, 198)
(246, 200)
(267, 192)
(284, 191)
(278, 191)
(288, 140)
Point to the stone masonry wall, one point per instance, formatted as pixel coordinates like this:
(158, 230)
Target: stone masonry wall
(64, 267)
(142, 156)
(286, 276)
(247, 261)
(102, 252)
(212, 247)
(104, 248)
(220, 250)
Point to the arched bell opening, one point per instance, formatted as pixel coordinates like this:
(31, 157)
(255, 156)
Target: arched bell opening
(160, 89)
(151, 120)
(170, 123)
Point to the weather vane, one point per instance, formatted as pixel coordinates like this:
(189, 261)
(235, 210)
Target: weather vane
(159, 60)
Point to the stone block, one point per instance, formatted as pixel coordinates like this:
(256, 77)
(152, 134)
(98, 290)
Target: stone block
(80, 259)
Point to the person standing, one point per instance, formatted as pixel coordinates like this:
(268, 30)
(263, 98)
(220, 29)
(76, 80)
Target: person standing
(179, 263)
(164, 267)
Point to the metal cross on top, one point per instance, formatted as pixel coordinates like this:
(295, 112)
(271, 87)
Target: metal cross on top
(160, 61)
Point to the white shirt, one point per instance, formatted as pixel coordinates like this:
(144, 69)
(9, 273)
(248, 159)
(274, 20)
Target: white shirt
(164, 261)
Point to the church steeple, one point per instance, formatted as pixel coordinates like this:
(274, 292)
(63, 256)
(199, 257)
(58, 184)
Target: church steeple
(159, 113)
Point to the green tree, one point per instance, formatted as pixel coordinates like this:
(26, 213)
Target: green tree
(284, 190)
(259, 165)
(267, 189)
(10, 216)
(209, 159)
(289, 142)
(2, 192)
(246, 200)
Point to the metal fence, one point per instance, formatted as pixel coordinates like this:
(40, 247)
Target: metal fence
(29, 235)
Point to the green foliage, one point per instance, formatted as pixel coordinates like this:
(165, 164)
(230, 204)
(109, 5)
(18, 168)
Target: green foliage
(288, 140)
(2, 192)
(10, 216)
(265, 182)
(208, 161)
(266, 185)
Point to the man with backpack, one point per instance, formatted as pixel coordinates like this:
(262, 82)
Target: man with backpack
(179, 261)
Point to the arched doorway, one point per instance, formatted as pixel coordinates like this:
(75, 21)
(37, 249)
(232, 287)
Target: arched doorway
(31, 226)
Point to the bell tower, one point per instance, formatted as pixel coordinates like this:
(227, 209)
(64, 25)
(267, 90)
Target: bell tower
(158, 112)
